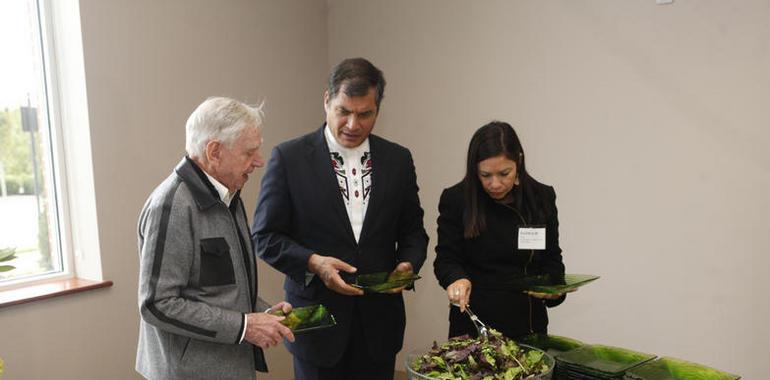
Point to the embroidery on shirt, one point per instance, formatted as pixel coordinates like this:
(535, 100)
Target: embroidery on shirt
(366, 174)
(342, 180)
(360, 188)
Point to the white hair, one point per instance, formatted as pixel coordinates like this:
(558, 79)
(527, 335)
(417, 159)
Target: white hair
(222, 119)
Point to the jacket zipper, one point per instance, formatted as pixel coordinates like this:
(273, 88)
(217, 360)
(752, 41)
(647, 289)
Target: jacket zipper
(245, 271)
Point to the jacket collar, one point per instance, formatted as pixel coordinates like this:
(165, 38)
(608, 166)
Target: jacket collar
(318, 141)
(203, 191)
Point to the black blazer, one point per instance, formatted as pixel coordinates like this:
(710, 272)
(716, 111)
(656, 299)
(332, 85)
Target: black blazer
(491, 260)
(301, 211)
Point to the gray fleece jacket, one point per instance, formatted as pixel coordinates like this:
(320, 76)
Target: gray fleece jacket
(197, 279)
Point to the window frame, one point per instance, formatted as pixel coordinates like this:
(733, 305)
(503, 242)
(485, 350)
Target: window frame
(76, 232)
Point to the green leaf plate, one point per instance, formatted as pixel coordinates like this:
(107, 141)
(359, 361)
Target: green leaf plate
(307, 318)
(381, 282)
(552, 344)
(552, 284)
(668, 368)
(599, 359)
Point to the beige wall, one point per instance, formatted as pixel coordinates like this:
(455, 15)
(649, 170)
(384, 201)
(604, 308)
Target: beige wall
(148, 64)
(650, 121)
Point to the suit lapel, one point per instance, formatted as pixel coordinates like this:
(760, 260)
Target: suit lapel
(326, 179)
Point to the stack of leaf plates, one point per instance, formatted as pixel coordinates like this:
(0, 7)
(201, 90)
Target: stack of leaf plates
(598, 362)
(307, 318)
(382, 282)
(675, 369)
(552, 344)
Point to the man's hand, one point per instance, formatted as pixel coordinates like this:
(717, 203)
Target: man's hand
(328, 270)
(283, 306)
(403, 267)
(265, 330)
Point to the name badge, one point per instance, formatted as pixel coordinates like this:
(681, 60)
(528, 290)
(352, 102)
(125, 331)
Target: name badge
(532, 238)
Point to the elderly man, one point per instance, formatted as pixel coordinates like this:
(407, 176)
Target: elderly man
(342, 199)
(197, 279)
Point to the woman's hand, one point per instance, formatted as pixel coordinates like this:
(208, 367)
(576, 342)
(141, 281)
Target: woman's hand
(459, 293)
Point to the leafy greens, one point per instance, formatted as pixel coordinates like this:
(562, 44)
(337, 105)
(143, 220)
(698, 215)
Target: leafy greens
(465, 358)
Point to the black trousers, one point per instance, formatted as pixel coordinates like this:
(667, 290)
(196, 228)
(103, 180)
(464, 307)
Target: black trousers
(356, 363)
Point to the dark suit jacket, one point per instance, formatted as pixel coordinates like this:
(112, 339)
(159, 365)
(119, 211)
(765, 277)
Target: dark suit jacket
(301, 211)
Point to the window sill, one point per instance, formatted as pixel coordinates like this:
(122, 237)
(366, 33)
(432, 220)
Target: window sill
(48, 290)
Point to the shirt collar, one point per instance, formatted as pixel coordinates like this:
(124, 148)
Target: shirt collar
(224, 193)
(202, 190)
(334, 146)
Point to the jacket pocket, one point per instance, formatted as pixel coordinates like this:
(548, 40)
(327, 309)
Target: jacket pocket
(216, 264)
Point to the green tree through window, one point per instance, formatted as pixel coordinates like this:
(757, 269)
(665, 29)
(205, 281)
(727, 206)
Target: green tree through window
(15, 156)
(28, 209)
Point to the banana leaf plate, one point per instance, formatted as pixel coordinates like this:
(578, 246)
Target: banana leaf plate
(381, 282)
(554, 284)
(307, 318)
(552, 344)
(668, 368)
(601, 361)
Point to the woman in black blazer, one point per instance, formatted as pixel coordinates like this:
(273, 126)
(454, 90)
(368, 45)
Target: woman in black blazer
(478, 256)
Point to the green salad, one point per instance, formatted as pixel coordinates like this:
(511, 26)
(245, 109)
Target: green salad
(465, 358)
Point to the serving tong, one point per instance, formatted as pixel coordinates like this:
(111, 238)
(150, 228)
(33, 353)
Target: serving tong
(481, 327)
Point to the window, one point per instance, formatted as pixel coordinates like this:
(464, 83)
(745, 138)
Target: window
(31, 245)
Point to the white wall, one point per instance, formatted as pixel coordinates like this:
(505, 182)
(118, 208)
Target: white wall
(650, 121)
(148, 65)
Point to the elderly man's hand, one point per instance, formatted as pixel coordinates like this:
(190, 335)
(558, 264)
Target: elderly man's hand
(265, 330)
(283, 306)
(328, 270)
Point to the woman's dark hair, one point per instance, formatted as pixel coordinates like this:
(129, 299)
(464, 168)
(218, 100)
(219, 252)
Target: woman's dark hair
(489, 141)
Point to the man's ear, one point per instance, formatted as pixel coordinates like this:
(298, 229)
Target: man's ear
(326, 99)
(213, 151)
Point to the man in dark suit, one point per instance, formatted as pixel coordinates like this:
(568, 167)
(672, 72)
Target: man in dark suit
(343, 200)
